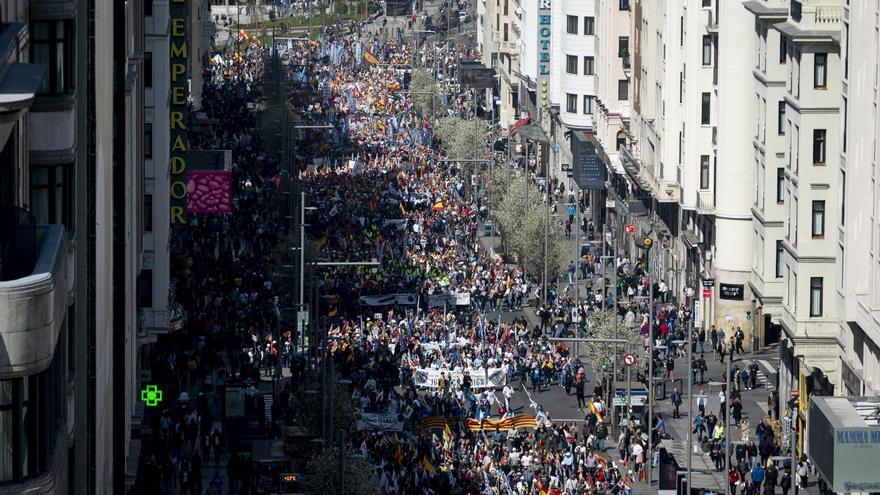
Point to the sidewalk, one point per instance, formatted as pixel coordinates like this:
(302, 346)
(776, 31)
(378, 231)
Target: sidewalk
(754, 409)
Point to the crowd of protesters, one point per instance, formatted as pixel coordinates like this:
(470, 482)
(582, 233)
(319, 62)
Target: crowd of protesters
(413, 334)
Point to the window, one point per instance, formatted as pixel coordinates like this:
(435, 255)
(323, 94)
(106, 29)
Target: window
(571, 103)
(820, 70)
(148, 8)
(52, 44)
(52, 194)
(148, 140)
(148, 212)
(506, 36)
(707, 3)
(705, 109)
(145, 289)
(818, 218)
(816, 296)
(571, 24)
(148, 69)
(818, 146)
(571, 64)
(780, 116)
(796, 10)
(623, 46)
(707, 50)
(624, 4)
(783, 48)
(589, 100)
(589, 26)
(780, 259)
(842, 198)
(506, 7)
(780, 185)
(623, 89)
(704, 171)
(588, 66)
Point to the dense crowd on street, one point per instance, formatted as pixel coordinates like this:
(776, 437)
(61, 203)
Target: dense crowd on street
(435, 329)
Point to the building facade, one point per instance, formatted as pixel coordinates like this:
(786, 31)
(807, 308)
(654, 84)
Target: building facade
(67, 331)
(858, 230)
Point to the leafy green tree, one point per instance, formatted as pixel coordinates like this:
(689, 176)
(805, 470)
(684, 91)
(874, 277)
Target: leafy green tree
(322, 474)
(600, 325)
(423, 89)
(464, 139)
(520, 216)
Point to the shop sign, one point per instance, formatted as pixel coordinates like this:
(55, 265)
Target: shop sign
(731, 291)
(544, 35)
(178, 61)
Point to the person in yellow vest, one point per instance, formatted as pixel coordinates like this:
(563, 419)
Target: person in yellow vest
(719, 432)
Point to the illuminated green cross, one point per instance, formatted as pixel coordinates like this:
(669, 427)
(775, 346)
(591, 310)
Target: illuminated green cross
(151, 395)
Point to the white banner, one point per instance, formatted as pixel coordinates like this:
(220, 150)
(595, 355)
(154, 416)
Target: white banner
(388, 300)
(454, 299)
(380, 422)
(480, 377)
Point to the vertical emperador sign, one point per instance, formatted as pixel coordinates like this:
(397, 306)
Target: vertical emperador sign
(544, 34)
(178, 59)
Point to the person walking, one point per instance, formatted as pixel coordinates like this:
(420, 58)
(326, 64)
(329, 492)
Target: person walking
(699, 427)
(676, 402)
(739, 337)
(757, 478)
(579, 392)
(785, 481)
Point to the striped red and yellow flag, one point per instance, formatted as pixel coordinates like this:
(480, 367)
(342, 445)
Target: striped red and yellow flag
(370, 58)
(519, 421)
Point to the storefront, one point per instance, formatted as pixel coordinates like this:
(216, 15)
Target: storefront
(848, 429)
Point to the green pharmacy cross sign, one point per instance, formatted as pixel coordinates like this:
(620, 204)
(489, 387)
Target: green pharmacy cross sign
(151, 395)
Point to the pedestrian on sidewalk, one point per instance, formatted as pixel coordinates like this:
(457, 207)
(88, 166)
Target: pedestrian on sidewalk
(676, 403)
(785, 481)
(772, 402)
(701, 402)
(699, 427)
(740, 337)
(701, 339)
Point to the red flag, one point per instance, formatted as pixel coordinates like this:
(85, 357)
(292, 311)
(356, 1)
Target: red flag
(519, 123)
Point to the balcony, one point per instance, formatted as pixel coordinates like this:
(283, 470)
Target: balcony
(705, 202)
(503, 46)
(36, 286)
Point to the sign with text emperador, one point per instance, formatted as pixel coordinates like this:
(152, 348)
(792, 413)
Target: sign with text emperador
(178, 73)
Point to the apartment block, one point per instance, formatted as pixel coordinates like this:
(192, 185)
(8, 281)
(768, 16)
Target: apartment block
(857, 233)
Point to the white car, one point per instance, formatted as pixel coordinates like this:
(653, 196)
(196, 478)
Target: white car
(464, 16)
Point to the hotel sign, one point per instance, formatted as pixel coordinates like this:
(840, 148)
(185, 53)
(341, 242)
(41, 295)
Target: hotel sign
(178, 61)
(544, 33)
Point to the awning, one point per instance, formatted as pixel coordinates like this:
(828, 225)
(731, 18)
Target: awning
(691, 239)
(616, 164)
(20, 85)
(637, 208)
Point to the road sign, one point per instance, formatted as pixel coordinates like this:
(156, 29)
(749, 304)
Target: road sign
(670, 273)
(629, 229)
(609, 203)
(629, 359)
(708, 282)
(698, 318)
(647, 242)
(707, 293)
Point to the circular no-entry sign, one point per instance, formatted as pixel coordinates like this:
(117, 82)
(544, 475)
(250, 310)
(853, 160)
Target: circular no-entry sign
(629, 359)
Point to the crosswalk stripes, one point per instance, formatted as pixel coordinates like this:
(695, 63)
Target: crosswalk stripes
(267, 406)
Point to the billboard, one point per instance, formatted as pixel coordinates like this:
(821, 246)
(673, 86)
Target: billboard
(588, 171)
(476, 75)
(398, 7)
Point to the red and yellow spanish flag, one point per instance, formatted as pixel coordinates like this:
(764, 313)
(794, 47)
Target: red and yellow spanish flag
(595, 410)
(370, 58)
(428, 466)
(393, 86)
(438, 206)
